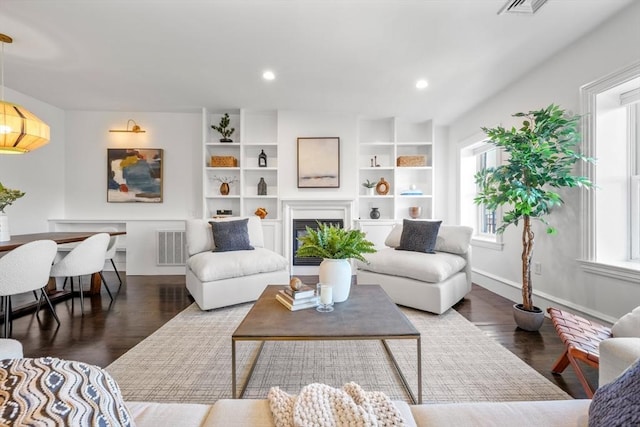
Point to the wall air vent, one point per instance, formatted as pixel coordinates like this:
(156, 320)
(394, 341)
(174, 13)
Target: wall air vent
(528, 7)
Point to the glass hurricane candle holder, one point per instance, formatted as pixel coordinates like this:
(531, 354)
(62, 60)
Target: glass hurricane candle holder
(325, 300)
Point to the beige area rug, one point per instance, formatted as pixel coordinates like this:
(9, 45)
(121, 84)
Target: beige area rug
(189, 360)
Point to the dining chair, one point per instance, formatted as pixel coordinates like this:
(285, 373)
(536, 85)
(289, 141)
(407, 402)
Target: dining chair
(86, 258)
(26, 269)
(111, 252)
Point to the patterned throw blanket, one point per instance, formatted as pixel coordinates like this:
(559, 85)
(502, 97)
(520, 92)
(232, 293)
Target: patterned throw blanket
(55, 392)
(322, 405)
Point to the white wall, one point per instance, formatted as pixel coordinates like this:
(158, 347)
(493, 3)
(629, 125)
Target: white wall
(295, 124)
(608, 48)
(88, 137)
(40, 174)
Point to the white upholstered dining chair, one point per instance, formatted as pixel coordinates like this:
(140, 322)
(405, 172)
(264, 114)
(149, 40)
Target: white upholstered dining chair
(26, 269)
(86, 258)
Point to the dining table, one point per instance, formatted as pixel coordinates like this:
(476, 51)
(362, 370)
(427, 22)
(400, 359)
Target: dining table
(58, 237)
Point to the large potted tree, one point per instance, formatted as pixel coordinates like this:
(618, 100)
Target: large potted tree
(541, 155)
(336, 246)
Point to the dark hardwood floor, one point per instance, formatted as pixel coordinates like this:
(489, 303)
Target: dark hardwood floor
(107, 330)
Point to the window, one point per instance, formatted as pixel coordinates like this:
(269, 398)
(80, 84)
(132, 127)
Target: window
(475, 156)
(611, 119)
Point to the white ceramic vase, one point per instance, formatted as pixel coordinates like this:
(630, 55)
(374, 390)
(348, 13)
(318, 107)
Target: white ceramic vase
(4, 228)
(337, 272)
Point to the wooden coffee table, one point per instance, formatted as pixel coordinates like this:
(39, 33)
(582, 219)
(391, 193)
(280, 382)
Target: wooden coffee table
(368, 314)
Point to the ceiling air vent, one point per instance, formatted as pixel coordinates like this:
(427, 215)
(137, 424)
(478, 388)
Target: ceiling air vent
(528, 7)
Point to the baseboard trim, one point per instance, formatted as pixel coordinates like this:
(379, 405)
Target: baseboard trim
(512, 290)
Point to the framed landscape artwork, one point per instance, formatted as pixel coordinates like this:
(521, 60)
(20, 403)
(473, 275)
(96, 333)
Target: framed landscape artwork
(319, 162)
(134, 175)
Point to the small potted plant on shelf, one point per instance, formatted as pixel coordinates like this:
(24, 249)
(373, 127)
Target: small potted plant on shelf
(370, 186)
(336, 246)
(7, 197)
(541, 156)
(224, 129)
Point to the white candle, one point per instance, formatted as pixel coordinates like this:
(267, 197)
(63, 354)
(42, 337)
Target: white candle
(326, 294)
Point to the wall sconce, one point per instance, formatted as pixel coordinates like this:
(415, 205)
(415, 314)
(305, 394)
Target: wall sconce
(134, 128)
(20, 130)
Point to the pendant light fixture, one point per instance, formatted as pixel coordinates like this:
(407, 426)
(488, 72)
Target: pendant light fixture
(20, 130)
(134, 128)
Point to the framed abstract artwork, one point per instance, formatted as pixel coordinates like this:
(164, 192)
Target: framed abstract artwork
(134, 175)
(319, 162)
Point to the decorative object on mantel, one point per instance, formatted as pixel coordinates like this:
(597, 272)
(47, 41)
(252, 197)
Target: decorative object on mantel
(134, 128)
(541, 156)
(224, 183)
(415, 211)
(262, 159)
(223, 162)
(7, 197)
(382, 187)
(411, 161)
(22, 131)
(336, 246)
(370, 186)
(374, 214)
(319, 162)
(223, 128)
(261, 212)
(262, 187)
(223, 212)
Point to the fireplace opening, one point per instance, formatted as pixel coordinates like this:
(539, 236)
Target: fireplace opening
(300, 229)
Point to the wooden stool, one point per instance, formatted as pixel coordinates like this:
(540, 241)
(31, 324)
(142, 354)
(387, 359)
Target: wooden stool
(581, 338)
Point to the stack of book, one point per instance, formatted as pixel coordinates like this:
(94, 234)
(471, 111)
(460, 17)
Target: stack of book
(305, 297)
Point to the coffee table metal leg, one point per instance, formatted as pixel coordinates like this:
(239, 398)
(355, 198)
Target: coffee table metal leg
(405, 383)
(233, 369)
(419, 351)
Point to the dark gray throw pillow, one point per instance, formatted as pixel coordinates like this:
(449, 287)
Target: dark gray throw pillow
(231, 235)
(419, 236)
(617, 403)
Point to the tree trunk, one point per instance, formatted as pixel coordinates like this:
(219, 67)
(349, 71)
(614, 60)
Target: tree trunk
(527, 253)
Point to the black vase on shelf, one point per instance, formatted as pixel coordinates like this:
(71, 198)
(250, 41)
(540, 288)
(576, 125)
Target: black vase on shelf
(262, 187)
(374, 214)
(262, 159)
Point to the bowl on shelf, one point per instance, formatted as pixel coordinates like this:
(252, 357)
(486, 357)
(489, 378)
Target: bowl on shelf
(415, 211)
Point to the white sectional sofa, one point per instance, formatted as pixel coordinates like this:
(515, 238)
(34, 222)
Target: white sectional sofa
(220, 279)
(429, 282)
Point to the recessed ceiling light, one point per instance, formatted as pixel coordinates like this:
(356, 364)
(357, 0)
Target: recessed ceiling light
(268, 75)
(421, 84)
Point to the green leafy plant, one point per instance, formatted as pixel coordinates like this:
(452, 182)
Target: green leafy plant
(369, 184)
(541, 157)
(333, 242)
(223, 129)
(8, 196)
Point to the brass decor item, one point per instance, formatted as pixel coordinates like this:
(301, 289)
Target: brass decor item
(135, 128)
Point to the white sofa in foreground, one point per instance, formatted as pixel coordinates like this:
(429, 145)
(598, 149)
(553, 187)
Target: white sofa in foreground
(220, 279)
(428, 282)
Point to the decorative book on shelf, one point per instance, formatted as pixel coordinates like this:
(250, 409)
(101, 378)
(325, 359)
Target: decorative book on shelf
(304, 292)
(297, 304)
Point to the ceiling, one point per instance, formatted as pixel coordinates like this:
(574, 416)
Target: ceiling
(355, 56)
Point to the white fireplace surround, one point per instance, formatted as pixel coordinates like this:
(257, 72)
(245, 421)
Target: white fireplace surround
(305, 208)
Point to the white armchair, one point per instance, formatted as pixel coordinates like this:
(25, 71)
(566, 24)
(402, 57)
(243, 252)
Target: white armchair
(621, 351)
(219, 279)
